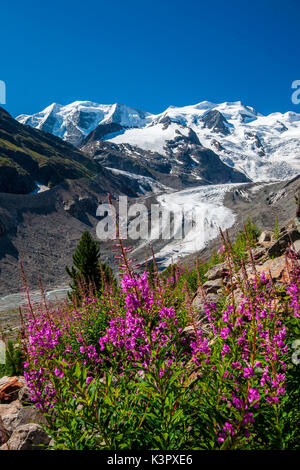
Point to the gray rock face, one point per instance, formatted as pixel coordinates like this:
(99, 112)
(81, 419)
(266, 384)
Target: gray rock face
(213, 286)
(217, 271)
(184, 163)
(27, 437)
(280, 245)
(102, 131)
(216, 121)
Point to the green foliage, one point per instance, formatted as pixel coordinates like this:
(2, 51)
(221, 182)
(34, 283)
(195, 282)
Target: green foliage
(88, 273)
(15, 358)
(120, 414)
(169, 407)
(276, 230)
(239, 246)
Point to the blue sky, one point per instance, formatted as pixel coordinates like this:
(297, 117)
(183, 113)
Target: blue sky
(149, 54)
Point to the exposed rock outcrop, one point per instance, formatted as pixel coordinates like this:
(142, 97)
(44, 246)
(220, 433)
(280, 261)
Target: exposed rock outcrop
(271, 257)
(21, 424)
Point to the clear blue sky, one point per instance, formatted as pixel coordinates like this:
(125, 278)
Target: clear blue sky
(149, 54)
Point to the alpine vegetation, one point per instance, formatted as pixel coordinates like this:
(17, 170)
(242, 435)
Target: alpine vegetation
(133, 366)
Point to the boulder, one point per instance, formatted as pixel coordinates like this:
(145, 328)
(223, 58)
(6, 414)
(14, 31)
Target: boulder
(218, 271)
(11, 408)
(24, 396)
(9, 388)
(266, 237)
(276, 267)
(278, 247)
(214, 286)
(6, 410)
(24, 415)
(296, 246)
(27, 437)
(198, 303)
(259, 253)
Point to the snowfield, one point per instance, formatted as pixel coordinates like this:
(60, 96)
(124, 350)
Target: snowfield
(151, 137)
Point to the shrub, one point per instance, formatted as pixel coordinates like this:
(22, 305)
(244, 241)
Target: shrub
(120, 371)
(15, 358)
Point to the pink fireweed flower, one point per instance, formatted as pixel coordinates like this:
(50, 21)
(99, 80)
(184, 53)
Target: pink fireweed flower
(228, 428)
(225, 350)
(248, 372)
(253, 395)
(225, 332)
(58, 373)
(248, 418)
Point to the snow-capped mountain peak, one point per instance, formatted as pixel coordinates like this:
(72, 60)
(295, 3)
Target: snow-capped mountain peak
(74, 121)
(262, 147)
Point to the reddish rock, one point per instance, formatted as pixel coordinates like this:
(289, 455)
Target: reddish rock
(10, 390)
(277, 268)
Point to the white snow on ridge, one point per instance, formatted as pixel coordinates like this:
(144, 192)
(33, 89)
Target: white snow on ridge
(276, 155)
(265, 148)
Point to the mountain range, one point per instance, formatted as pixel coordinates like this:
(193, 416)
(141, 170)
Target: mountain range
(263, 148)
(56, 166)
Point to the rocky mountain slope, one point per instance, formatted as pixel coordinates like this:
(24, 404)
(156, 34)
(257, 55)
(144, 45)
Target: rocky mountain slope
(262, 147)
(44, 229)
(31, 159)
(166, 151)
